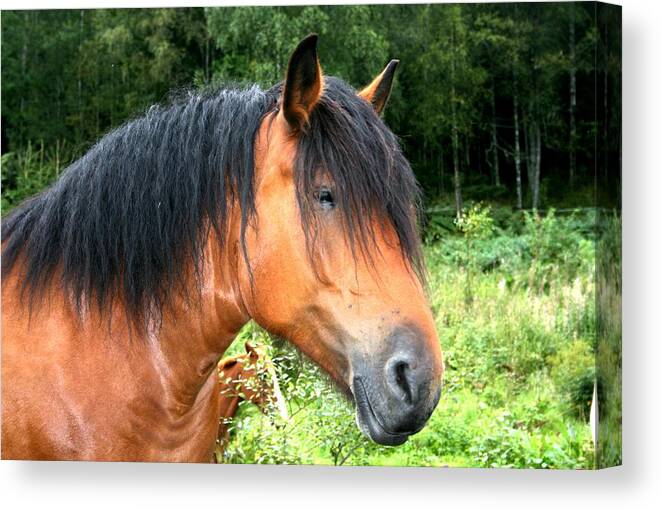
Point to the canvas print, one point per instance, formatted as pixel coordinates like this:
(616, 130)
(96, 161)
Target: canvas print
(328, 235)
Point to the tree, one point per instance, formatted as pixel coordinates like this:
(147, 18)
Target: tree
(448, 96)
(497, 45)
(489, 99)
(572, 94)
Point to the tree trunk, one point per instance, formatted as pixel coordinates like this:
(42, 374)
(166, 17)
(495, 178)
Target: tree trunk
(478, 155)
(455, 134)
(424, 153)
(442, 173)
(207, 59)
(81, 123)
(455, 160)
(467, 153)
(604, 127)
(112, 86)
(534, 147)
(494, 137)
(538, 166)
(572, 95)
(24, 56)
(517, 146)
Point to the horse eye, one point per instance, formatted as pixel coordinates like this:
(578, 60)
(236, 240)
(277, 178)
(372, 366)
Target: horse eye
(325, 198)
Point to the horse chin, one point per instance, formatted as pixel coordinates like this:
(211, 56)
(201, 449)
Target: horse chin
(367, 421)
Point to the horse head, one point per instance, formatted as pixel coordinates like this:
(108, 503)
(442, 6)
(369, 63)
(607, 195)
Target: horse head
(333, 258)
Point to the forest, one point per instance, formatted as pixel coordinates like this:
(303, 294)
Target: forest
(510, 115)
(492, 100)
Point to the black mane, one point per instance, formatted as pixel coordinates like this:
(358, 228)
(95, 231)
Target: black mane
(132, 216)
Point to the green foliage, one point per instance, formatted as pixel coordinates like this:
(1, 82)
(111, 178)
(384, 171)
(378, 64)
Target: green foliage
(26, 172)
(573, 373)
(254, 43)
(509, 446)
(75, 74)
(475, 223)
(553, 247)
(609, 333)
(320, 428)
(439, 224)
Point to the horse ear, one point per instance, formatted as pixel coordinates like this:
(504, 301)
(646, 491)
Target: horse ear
(303, 83)
(378, 91)
(251, 350)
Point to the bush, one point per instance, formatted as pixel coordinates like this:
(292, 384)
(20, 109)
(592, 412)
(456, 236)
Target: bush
(557, 247)
(573, 373)
(532, 437)
(475, 223)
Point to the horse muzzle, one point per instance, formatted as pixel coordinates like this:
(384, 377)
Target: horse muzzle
(396, 390)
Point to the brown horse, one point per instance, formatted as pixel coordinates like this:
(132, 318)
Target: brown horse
(247, 377)
(125, 281)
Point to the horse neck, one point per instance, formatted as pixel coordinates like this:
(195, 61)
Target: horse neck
(192, 338)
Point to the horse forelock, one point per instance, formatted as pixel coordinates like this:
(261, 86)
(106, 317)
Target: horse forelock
(374, 185)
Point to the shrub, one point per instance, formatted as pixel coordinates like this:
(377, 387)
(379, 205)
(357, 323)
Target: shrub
(573, 373)
(556, 249)
(29, 171)
(475, 223)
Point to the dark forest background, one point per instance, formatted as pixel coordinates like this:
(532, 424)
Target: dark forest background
(517, 104)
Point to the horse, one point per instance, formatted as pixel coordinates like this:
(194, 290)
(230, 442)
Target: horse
(125, 281)
(247, 377)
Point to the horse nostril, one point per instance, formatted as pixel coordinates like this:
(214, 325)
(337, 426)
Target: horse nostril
(401, 380)
(400, 377)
